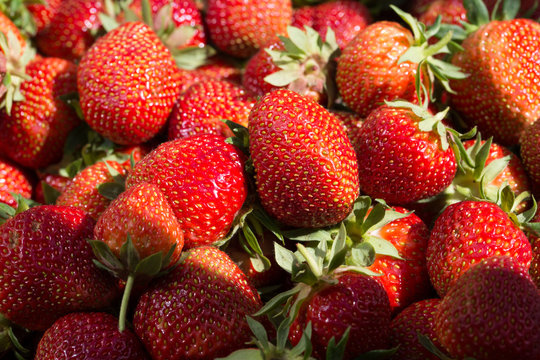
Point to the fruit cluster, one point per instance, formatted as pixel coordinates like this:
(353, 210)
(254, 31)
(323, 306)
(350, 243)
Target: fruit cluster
(277, 179)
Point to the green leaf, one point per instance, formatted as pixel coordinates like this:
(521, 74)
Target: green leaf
(284, 257)
(259, 331)
(304, 234)
(147, 13)
(311, 257)
(494, 169)
(105, 256)
(339, 249)
(108, 22)
(429, 346)
(383, 247)
(510, 9)
(110, 190)
(362, 255)
(477, 12)
(72, 169)
(243, 354)
(336, 351)
(378, 354)
(357, 269)
(150, 266)
(283, 77)
(50, 194)
(277, 300)
(304, 346)
(6, 211)
(129, 256)
(300, 40)
(374, 218)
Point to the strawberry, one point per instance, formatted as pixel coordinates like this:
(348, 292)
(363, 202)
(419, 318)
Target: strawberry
(530, 153)
(201, 108)
(46, 267)
(68, 34)
(202, 178)
(210, 322)
(259, 66)
(468, 232)
(215, 68)
(404, 328)
(302, 159)
(492, 312)
(91, 335)
(451, 12)
(43, 13)
(140, 105)
(352, 123)
(57, 182)
(14, 179)
(34, 131)
(239, 28)
(83, 192)
(534, 270)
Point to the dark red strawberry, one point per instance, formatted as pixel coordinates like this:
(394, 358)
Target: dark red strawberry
(15, 179)
(46, 267)
(91, 335)
(198, 310)
(530, 154)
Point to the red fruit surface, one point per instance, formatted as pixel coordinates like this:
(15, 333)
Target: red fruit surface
(35, 132)
(305, 167)
(468, 232)
(530, 153)
(92, 335)
(198, 310)
(451, 12)
(15, 179)
(352, 123)
(357, 301)
(124, 108)
(57, 182)
(7, 26)
(46, 267)
(258, 67)
(43, 13)
(202, 177)
(492, 313)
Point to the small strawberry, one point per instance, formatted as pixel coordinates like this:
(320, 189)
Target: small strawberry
(305, 167)
(91, 335)
(240, 28)
(198, 310)
(492, 312)
(203, 179)
(13, 179)
(46, 267)
(126, 109)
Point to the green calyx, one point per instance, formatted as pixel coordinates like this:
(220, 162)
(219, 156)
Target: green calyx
(23, 204)
(18, 12)
(112, 189)
(306, 64)
(9, 339)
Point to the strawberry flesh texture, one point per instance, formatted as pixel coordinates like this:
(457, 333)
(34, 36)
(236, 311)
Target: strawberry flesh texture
(14, 179)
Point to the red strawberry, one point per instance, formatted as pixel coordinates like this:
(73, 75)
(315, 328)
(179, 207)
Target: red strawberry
(46, 267)
(239, 28)
(259, 66)
(57, 182)
(128, 109)
(492, 312)
(201, 109)
(198, 310)
(534, 270)
(468, 232)
(306, 170)
(352, 123)
(44, 13)
(203, 180)
(13, 179)
(215, 68)
(92, 335)
(499, 97)
(530, 153)
(303, 16)
(68, 34)
(451, 12)
(34, 133)
(404, 328)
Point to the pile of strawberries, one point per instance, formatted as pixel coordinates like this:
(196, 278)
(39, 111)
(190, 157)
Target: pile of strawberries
(341, 179)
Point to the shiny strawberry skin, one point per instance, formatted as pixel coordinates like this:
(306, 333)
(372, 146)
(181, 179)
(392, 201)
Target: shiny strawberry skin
(501, 97)
(418, 317)
(305, 167)
(258, 67)
(468, 232)
(35, 132)
(398, 162)
(405, 281)
(352, 123)
(68, 34)
(143, 213)
(203, 179)
(124, 108)
(241, 27)
(368, 72)
(46, 267)
(89, 335)
(82, 191)
(15, 179)
(492, 312)
(201, 109)
(198, 310)
(357, 301)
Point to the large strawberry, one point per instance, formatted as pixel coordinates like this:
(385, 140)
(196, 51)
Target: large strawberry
(306, 170)
(34, 130)
(492, 312)
(13, 179)
(198, 310)
(89, 335)
(203, 179)
(46, 267)
(239, 28)
(128, 109)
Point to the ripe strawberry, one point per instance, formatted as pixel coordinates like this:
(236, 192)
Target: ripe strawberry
(201, 108)
(530, 153)
(305, 167)
(468, 232)
(7, 26)
(68, 34)
(83, 192)
(352, 123)
(13, 179)
(57, 182)
(43, 13)
(215, 68)
(202, 177)
(451, 12)
(303, 16)
(404, 328)
(400, 160)
(259, 66)
(117, 105)
(46, 267)
(35, 131)
(210, 322)
(534, 270)
(92, 335)
(239, 28)
(492, 312)
(499, 97)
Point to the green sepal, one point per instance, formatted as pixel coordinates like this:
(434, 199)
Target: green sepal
(284, 257)
(378, 354)
(240, 138)
(242, 354)
(362, 255)
(278, 300)
(337, 351)
(105, 258)
(477, 12)
(111, 190)
(109, 23)
(22, 204)
(50, 194)
(305, 234)
(192, 57)
(18, 12)
(429, 346)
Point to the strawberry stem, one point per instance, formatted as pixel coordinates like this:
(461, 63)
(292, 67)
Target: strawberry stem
(125, 301)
